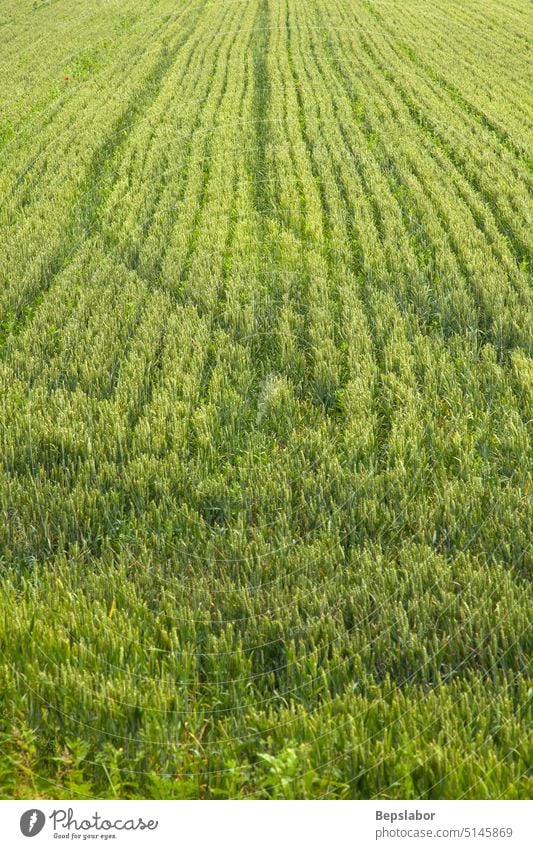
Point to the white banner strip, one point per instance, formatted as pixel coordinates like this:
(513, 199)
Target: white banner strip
(258, 825)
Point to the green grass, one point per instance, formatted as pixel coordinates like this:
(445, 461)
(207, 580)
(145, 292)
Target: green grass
(265, 399)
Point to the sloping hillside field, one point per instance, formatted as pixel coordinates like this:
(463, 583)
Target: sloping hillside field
(265, 389)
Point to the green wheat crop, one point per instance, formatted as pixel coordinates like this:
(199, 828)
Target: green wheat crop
(265, 399)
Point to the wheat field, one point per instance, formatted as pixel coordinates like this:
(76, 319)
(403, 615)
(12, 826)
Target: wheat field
(265, 399)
